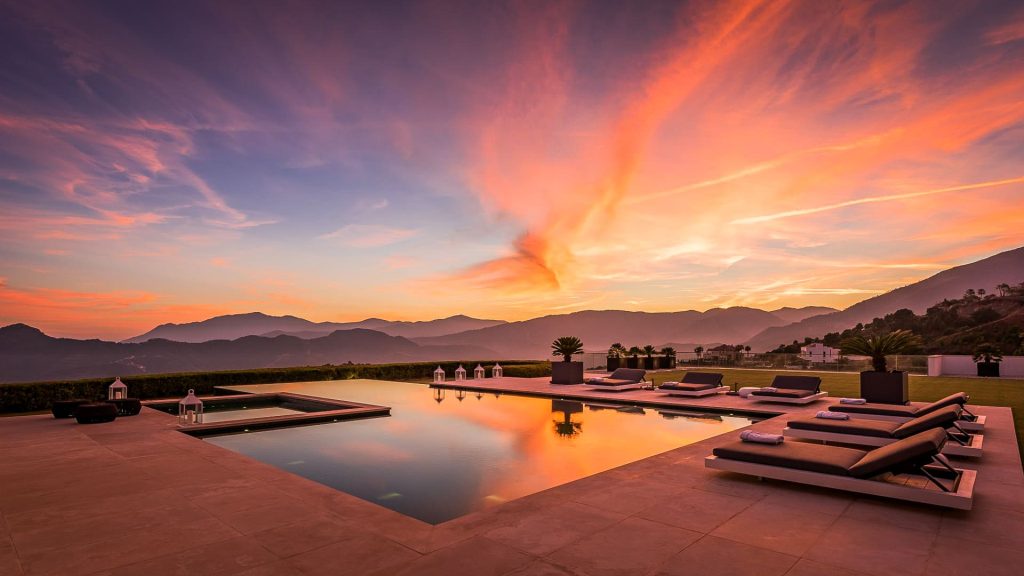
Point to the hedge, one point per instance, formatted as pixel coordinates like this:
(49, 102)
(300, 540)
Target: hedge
(36, 396)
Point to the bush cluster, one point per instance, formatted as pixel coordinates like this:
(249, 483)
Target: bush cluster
(35, 396)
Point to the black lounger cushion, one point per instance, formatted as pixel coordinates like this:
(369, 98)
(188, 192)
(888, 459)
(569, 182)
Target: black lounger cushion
(796, 455)
(854, 426)
(943, 418)
(874, 408)
(885, 458)
(784, 393)
(812, 383)
(688, 387)
(958, 399)
(709, 378)
(630, 375)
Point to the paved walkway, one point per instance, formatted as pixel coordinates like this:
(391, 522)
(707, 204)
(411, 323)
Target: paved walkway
(138, 497)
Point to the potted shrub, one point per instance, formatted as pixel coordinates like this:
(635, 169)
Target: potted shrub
(615, 355)
(633, 361)
(567, 371)
(988, 357)
(880, 385)
(649, 357)
(668, 358)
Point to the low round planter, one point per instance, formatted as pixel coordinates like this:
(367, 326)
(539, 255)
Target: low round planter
(649, 363)
(633, 362)
(127, 406)
(667, 362)
(614, 363)
(66, 408)
(96, 413)
(988, 369)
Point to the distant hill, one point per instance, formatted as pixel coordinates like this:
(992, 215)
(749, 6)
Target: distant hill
(1005, 267)
(27, 354)
(797, 314)
(600, 328)
(235, 326)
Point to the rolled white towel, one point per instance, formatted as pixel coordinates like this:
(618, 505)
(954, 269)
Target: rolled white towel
(670, 383)
(595, 380)
(769, 389)
(852, 401)
(761, 437)
(832, 415)
(745, 391)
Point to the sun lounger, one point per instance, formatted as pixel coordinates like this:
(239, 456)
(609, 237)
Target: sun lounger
(695, 385)
(863, 432)
(619, 380)
(791, 390)
(901, 413)
(911, 469)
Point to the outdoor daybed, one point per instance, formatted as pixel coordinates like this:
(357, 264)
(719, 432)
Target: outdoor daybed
(695, 385)
(880, 472)
(864, 432)
(902, 413)
(791, 390)
(619, 380)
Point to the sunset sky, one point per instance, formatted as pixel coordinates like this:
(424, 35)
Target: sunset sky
(171, 161)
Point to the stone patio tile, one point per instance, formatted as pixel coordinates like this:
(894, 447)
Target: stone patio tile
(696, 509)
(127, 548)
(629, 497)
(711, 556)
(987, 525)
(809, 498)
(550, 529)
(143, 448)
(540, 568)
(279, 568)
(784, 529)
(903, 514)
(894, 550)
(358, 556)
(735, 484)
(65, 511)
(9, 563)
(305, 535)
(811, 568)
(241, 498)
(226, 557)
(633, 546)
(951, 557)
(478, 556)
(258, 518)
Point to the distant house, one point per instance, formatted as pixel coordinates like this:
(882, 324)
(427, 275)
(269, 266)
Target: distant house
(818, 352)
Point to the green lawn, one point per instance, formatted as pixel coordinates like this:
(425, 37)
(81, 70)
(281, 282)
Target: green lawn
(983, 391)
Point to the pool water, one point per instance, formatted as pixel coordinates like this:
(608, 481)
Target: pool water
(438, 460)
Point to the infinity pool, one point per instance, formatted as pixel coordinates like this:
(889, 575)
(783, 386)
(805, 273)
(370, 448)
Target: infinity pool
(438, 459)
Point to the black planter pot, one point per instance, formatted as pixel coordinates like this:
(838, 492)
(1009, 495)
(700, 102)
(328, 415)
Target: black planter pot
(649, 363)
(614, 362)
(885, 387)
(633, 362)
(567, 372)
(990, 369)
(667, 362)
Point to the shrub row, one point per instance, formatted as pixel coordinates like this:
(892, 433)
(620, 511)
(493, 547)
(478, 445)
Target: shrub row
(34, 396)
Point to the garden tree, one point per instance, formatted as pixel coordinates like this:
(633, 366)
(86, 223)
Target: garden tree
(649, 351)
(970, 294)
(981, 292)
(987, 353)
(698, 350)
(617, 350)
(668, 351)
(747, 349)
(880, 346)
(634, 351)
(566, 346)
(1003, 289)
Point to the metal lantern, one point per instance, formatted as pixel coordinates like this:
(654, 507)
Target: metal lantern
(438, 395)
(190, 409)
(496, 372)
(117, 390)
(439, 374)
(460, 394)
(479, 373)
(460, 373)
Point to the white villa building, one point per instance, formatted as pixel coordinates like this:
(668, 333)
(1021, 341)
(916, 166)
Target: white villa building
(818, 352)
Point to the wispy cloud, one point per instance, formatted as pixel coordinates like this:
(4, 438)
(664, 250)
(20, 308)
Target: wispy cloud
(369, 235)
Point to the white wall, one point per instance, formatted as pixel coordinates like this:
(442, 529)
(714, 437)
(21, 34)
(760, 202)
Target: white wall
(949, 365)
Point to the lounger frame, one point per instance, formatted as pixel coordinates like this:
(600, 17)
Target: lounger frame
(782, 400)
(617, 388)
(976, 425)
(952, 448)
(696, 393)
(961, 498)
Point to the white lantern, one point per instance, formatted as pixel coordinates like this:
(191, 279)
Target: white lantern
(460, 394)
(439, 374)
(190, 409)
(117, 390)
(479, 373)
(496, 371)
(460, 373)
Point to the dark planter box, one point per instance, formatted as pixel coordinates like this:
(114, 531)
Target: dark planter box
(633, 362)
(649, 363)
(567, 372)
(990, 369)
(614, 363)
(885, 387)
(667, 362)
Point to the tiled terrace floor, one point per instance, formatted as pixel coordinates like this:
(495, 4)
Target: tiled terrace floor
(137, 497)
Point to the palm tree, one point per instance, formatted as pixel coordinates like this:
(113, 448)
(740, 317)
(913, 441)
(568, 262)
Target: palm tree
(987, 353)
(878, 347)
(634, 351)
(1003, 289)
(566, 346)
(698, 350)
(668, 351)
(649, 350)
(617, 350)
